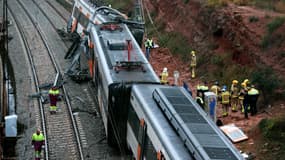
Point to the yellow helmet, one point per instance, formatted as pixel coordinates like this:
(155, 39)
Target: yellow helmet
(193, 53)
(235, 82)
(243, 84)
(246, 81)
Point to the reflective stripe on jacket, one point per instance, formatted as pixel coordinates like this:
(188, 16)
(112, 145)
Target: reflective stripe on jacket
(253, 91)
(148, 43)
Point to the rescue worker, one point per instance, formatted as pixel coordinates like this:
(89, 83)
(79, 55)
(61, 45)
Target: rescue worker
(148, 45)
(38, 140)
(225, 101)
(247, 83)
(193, 63)
(216, 89)
(53, 97)
(199, 100)
(247, 87)
(241, 94)
(245, 100)
(253, 96)
(164, 76)
(234, 95)
(204, 88)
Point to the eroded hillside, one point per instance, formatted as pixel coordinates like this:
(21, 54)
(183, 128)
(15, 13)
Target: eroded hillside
(241, 31)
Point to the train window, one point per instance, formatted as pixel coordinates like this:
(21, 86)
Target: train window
(76, 13)
(134, 121)
(149, 151)
(83, 20)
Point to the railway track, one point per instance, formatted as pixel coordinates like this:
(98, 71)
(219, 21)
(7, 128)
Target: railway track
(60, 130)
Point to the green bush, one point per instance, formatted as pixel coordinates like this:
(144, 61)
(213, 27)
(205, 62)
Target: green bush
(275, 24)
(281, 54)
(271, 40)
(265, 42)
(186, 1)
(176, 42)
(273, 129)
(265, 4)
(253, 19)
(218, 60)
(267, 82)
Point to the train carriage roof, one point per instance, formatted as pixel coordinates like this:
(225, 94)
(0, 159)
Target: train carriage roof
(197, 132)
(170, 140)
(110, 40)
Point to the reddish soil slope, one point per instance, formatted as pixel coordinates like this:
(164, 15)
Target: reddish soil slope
(229, 28)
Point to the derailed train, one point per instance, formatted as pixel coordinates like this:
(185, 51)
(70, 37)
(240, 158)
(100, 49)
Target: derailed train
(151, 120)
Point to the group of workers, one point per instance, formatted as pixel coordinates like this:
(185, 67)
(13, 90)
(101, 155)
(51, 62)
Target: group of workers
(244, 97)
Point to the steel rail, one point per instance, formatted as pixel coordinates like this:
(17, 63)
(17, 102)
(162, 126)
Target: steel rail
(35, 78)
(57, 68)
(56, 10)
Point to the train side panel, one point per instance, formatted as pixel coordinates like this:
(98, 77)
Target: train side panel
(149, 134)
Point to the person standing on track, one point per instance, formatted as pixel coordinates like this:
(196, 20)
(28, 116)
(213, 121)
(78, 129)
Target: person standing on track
(38, 140)
(53, 97)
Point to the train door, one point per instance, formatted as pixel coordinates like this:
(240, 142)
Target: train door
(141, 139)
(145, 149)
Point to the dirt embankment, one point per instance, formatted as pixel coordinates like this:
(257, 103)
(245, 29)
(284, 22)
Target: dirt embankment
(236, 29)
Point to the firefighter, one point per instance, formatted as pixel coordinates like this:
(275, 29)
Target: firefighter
(37, 141)
(247, 87)
(148, 45)
(216, 89)
(234, 95)
(53, 97)
(193, 63)
(225, 101)
(199, 100)
(241, 94)
(204, 88)
(164, 76)
(246, 100)
(253, 96)
(246, 82)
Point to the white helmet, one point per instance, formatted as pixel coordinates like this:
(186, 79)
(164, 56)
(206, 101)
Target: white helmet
(164, 69)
